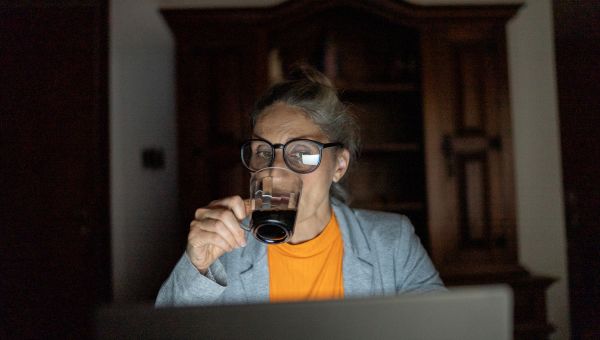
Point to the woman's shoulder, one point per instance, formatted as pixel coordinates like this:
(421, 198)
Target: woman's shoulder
(379, 216)
(385, 232)
(377, 223)
(384, 222)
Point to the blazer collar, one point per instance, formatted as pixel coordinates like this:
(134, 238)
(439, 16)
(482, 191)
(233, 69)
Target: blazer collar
(358, 259)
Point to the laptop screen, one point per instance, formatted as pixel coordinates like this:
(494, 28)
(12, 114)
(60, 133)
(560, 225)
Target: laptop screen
(477, 312)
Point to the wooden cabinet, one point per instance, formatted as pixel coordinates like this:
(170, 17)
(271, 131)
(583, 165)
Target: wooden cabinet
(429, 87)
(469, 147)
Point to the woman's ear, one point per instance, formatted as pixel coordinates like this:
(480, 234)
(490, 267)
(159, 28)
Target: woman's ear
(341, 166)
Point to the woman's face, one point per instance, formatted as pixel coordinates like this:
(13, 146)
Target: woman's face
(280, 123)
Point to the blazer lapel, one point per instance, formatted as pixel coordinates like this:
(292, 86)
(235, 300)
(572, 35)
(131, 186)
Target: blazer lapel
(358, 261)
(254, 271)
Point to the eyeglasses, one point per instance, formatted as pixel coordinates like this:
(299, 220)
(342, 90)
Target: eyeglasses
(300, 155)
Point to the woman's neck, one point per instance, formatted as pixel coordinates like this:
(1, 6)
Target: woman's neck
(311, 226)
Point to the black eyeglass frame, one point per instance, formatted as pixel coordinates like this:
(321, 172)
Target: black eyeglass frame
(282, 147)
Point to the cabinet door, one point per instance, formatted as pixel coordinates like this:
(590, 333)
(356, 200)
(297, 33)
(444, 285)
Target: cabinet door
(468, 147)
(216, 88)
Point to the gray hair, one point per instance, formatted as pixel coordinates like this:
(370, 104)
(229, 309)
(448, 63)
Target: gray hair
(313, 93)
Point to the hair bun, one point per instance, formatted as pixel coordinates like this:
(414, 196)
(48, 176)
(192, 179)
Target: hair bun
(303, 71)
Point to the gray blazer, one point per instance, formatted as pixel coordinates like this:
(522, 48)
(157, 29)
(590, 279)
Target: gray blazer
(382, 256)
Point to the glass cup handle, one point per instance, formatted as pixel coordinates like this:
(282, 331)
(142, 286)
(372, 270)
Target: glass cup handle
(249, 206)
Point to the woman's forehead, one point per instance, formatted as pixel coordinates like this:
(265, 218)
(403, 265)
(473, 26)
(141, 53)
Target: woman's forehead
(280, 122)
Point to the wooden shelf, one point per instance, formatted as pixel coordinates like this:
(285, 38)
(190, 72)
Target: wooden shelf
(376, 87)
(391, 147)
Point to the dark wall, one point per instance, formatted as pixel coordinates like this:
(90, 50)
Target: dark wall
(577, 32)
(54, 185)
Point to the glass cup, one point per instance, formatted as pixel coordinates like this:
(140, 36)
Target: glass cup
(274, 197)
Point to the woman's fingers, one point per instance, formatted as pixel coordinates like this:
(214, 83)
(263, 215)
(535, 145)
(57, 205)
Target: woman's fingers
(216, 230)
(205, 250)
(234, 203)
(227, 225)
(206, 243)
(206, 238)
(219, 227)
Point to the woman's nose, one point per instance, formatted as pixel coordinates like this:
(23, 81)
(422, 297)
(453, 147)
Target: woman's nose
(278, 162)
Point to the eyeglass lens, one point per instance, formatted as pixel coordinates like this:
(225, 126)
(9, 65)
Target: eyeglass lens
(301, 156)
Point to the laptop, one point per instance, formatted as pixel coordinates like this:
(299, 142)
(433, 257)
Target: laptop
(474, 312)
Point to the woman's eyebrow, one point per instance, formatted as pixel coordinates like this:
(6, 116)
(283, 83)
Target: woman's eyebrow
(312, 137)
(254, 135)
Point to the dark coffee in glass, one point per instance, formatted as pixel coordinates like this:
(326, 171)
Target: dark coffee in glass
(273, 226)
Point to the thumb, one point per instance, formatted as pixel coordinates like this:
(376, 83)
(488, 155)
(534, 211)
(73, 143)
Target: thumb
(248, 205)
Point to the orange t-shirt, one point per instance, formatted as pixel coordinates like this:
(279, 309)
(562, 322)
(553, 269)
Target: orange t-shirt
(308, 271)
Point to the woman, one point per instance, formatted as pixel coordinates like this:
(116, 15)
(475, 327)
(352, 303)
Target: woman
(335, 251)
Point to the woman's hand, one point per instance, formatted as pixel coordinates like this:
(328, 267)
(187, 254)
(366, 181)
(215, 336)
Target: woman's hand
(216, 230)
